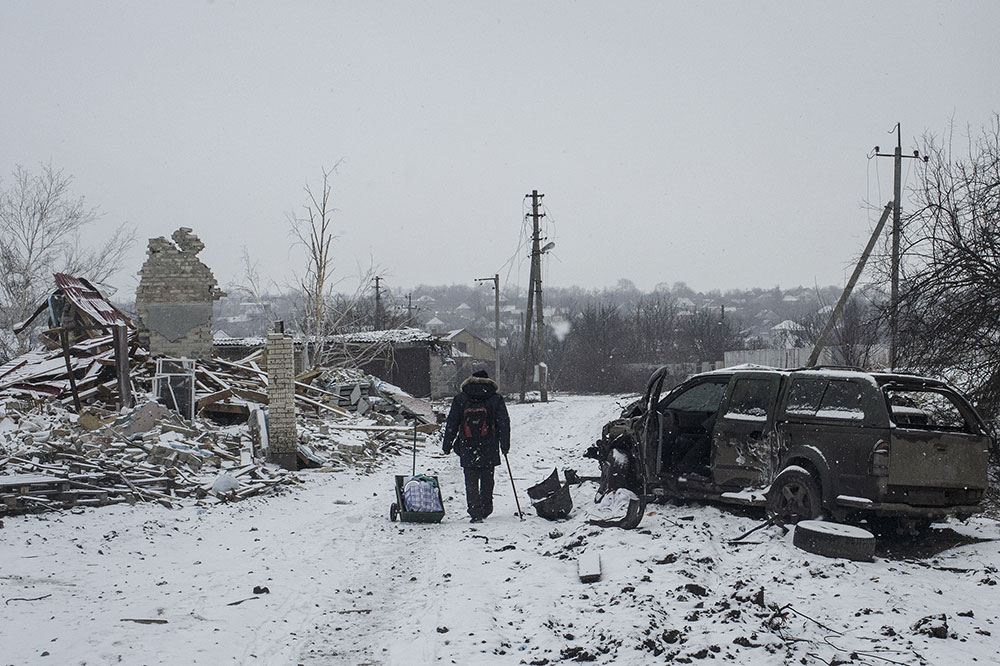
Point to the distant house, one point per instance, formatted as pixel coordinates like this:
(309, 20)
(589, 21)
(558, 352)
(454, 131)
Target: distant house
(419, 363)
(435, 326)
(480, 353)
(510, 314)
(787, 334)
(416, 361)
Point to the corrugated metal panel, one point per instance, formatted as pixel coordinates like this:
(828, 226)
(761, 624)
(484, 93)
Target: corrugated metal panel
(90, 301)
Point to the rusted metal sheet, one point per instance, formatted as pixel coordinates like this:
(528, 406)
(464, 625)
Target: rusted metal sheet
(90, 301)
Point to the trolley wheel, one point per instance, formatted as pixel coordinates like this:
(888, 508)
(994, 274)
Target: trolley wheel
(393, 512)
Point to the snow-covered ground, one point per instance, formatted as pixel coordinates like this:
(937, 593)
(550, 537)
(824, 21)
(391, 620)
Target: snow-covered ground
(346, 586)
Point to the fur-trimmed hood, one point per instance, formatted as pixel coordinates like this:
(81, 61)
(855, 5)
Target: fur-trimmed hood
(479, 388)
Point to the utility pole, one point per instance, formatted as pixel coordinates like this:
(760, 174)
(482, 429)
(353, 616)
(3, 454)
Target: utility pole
(897, 171)
(848, 289)
(496, 320)
(409, 309)
(378, 303)
(535, 304)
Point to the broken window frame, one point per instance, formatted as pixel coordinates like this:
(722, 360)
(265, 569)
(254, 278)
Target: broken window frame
(166, 373)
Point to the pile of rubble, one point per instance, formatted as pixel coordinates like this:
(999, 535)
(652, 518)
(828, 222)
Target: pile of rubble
(209, 443)
(51, 458)
(54, 459)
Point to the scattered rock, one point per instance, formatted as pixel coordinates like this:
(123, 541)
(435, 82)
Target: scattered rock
(696, 590)
(935, 626)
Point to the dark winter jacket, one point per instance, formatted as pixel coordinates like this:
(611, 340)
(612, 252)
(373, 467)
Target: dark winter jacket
(486, 453)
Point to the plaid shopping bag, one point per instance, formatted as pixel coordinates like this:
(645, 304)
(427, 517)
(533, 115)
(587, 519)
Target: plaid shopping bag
(421, 494)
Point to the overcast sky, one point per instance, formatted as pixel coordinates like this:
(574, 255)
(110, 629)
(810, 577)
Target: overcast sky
(720, 144)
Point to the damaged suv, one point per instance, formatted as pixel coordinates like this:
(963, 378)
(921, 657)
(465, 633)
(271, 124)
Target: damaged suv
(802, 443)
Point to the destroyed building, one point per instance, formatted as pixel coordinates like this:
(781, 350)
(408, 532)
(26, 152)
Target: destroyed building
(69, 436)
(86, 346)
(418, 362)
(174, 298)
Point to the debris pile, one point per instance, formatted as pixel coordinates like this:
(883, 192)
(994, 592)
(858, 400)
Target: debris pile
(209, 446)
(56, 460)
(222, 389)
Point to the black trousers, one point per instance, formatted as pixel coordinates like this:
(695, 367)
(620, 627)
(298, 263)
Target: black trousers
(479, 491)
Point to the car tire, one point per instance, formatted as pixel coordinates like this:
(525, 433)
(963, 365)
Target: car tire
(834, 540)
(794, 496)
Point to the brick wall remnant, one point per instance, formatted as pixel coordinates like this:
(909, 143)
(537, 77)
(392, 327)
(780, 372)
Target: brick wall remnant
(174, 298)
(281, 431)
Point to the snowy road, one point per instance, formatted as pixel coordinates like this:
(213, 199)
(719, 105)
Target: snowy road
(346, 586)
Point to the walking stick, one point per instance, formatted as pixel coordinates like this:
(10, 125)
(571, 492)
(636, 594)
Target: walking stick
(516, 501)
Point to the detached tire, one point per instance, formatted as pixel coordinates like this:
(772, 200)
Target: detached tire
(834, 540)
(794, 496)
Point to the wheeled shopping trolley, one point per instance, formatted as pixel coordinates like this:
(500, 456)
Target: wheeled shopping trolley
(426, 496)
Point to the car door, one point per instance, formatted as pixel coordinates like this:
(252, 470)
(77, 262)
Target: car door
(742, 440)
(841, 419)
(685, 421)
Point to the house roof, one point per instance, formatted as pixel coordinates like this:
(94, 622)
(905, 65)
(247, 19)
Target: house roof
(87, 300)
(788, 325)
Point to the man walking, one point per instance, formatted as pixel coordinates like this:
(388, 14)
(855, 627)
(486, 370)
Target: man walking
(478, 428)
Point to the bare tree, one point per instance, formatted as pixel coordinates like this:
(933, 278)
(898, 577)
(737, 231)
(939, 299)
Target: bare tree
(950, 285)
(598, 350)
(857, 334)
(709, 333)
(314, 231)
(252, 287)
(41, 224)
(326, 312)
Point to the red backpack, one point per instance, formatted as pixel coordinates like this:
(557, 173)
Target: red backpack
(477, 426)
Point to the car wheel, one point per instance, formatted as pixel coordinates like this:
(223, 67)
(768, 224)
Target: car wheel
(794, 496)
(834, 540)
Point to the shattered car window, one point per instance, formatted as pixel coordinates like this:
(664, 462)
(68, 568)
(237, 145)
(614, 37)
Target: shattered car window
(750, 399)
(841, 400)
(931, 410)
(804, 396)
(825, 399)
(701, 398)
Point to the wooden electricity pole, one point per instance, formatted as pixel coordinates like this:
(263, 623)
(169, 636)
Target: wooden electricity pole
(897, 171)
(496, 321)
(378, 303)
(535, 305)
(848, 289)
